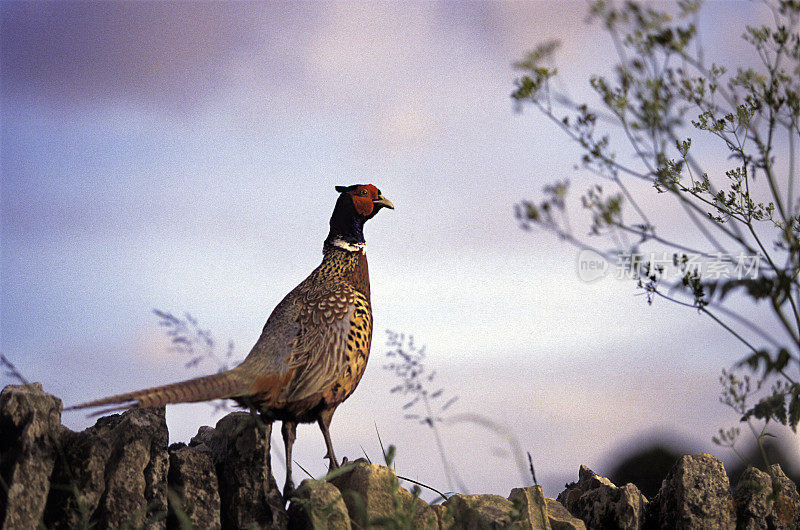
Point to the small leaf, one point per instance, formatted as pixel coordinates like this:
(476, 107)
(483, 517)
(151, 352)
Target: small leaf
(794, 407)
(781, 359)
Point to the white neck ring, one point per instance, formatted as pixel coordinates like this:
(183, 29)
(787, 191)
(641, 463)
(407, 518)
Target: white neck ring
(350, 247)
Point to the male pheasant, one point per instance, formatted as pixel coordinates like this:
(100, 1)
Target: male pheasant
(314, 347)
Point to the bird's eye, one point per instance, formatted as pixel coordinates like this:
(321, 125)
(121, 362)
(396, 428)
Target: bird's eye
(363, 192)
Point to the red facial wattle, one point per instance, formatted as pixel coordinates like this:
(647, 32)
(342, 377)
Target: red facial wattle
(363, 197)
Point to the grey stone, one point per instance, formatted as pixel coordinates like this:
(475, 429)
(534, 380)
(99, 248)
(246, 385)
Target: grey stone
(371, 491)
(695, 494)
(601, 504)
(194, 493)
(757, 505)
(127, 454)
(113, 473)
(531, 503)
(79, 480)
(318, 505)
(30, 422)
(482, 512)
(136, 472)
(239, 447)
(560, 518)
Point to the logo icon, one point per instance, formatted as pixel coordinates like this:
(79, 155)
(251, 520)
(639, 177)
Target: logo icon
(591, 265)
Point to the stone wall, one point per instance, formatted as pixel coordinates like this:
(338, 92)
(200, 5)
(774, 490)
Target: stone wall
(120, 473)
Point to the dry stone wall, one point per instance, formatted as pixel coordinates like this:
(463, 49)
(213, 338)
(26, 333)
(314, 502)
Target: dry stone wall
(121, 473)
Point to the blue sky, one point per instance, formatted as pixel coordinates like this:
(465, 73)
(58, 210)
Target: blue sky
(182, 156)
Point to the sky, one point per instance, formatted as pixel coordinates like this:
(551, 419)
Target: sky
(183, 156)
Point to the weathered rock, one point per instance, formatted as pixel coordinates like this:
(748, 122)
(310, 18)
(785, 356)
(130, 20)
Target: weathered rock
(30, 421)
(695, 494)
(318, 505)
(79, 480)
(479, 512)
(560, 518)
(113, 473)
(239, 447)
(136, 473)
(531, 503)
(601, 504)
(192, 480)
(444, 519)
(371, 491)
(756, 505)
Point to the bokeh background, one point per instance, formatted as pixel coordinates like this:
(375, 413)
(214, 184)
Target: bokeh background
(182, 156)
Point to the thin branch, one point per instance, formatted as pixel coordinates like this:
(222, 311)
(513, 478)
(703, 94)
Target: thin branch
(702, 227)
(646, 177)
(651, 235)
(709, 313)
(692, 163)
(790, 192)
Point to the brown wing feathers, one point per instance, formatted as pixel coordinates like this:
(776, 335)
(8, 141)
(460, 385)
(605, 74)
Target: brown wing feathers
(319, 352)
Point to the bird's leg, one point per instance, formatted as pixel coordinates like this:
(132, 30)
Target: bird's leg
(288, 430)
(324, 422)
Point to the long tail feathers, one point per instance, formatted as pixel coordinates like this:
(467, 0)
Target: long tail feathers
(223, 385)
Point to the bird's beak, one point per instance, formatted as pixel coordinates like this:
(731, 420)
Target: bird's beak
(383, 201)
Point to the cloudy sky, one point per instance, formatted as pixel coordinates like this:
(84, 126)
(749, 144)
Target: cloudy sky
(182, 156)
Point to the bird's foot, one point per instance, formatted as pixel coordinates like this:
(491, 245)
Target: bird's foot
(333, 463)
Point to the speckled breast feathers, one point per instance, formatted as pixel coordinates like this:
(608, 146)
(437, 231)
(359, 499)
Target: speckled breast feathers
(332, 326)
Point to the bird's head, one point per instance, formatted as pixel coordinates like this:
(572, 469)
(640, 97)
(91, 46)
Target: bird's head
(355, 205)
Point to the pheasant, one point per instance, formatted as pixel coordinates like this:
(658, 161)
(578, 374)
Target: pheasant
(314, 347)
